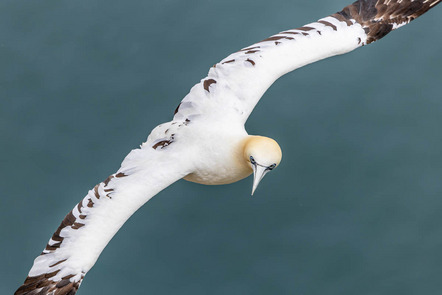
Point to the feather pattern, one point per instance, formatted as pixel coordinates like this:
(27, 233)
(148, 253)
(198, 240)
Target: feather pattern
(225, 98)
(234, 85)
(86, 230)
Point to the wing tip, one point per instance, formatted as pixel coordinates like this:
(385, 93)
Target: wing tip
(43, 285)
(380, 17)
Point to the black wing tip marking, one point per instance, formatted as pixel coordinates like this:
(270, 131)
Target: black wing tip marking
(378, 17)
(43, 285)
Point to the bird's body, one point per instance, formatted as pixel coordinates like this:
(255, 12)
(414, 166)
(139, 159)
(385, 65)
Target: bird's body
(206, 141)
(225, 163)
(211, 157)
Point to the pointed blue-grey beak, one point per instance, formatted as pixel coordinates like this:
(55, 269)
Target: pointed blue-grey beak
(258, 173)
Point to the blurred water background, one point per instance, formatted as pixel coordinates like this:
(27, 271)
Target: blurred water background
(354, 208)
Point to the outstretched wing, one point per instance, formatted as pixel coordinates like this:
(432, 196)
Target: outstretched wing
(83, 234)
(234, 86)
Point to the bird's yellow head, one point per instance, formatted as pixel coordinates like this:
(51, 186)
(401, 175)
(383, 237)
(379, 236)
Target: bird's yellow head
(262, 154)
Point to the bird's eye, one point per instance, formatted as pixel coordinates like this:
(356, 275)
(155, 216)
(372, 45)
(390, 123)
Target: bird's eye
(252, 160)
(271, 167)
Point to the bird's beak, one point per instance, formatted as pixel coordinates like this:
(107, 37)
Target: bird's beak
(258, 174)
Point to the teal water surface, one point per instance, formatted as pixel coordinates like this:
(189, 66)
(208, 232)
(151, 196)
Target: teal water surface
(354, 208)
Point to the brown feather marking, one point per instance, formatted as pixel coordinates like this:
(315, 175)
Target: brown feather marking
(162, 144)
(250, 48)
(62, 283)
(229, 61)
(328, 24)
(57, 263)
(43, 285)
(77, 225)
(276, 38)
(106, 182)
(109, 190)
(70, 289)
(51, 274)
(121, 174)
(56, 235)
(32, 283)
(79, 206)
(305, 29)
(250, 61)
(69, 219)
(97, 195)
(207, 84)
(53, 247)
(378, 18)
(177, 108)
(67, 277)
(342, 17)
(289, 32)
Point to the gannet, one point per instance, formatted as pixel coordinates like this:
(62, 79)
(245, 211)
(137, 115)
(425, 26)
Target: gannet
(206, 141)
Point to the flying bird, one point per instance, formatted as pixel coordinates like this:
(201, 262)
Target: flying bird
(206, 141)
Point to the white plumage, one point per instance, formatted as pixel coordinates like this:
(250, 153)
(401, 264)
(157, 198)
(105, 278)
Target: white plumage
(206, 141)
